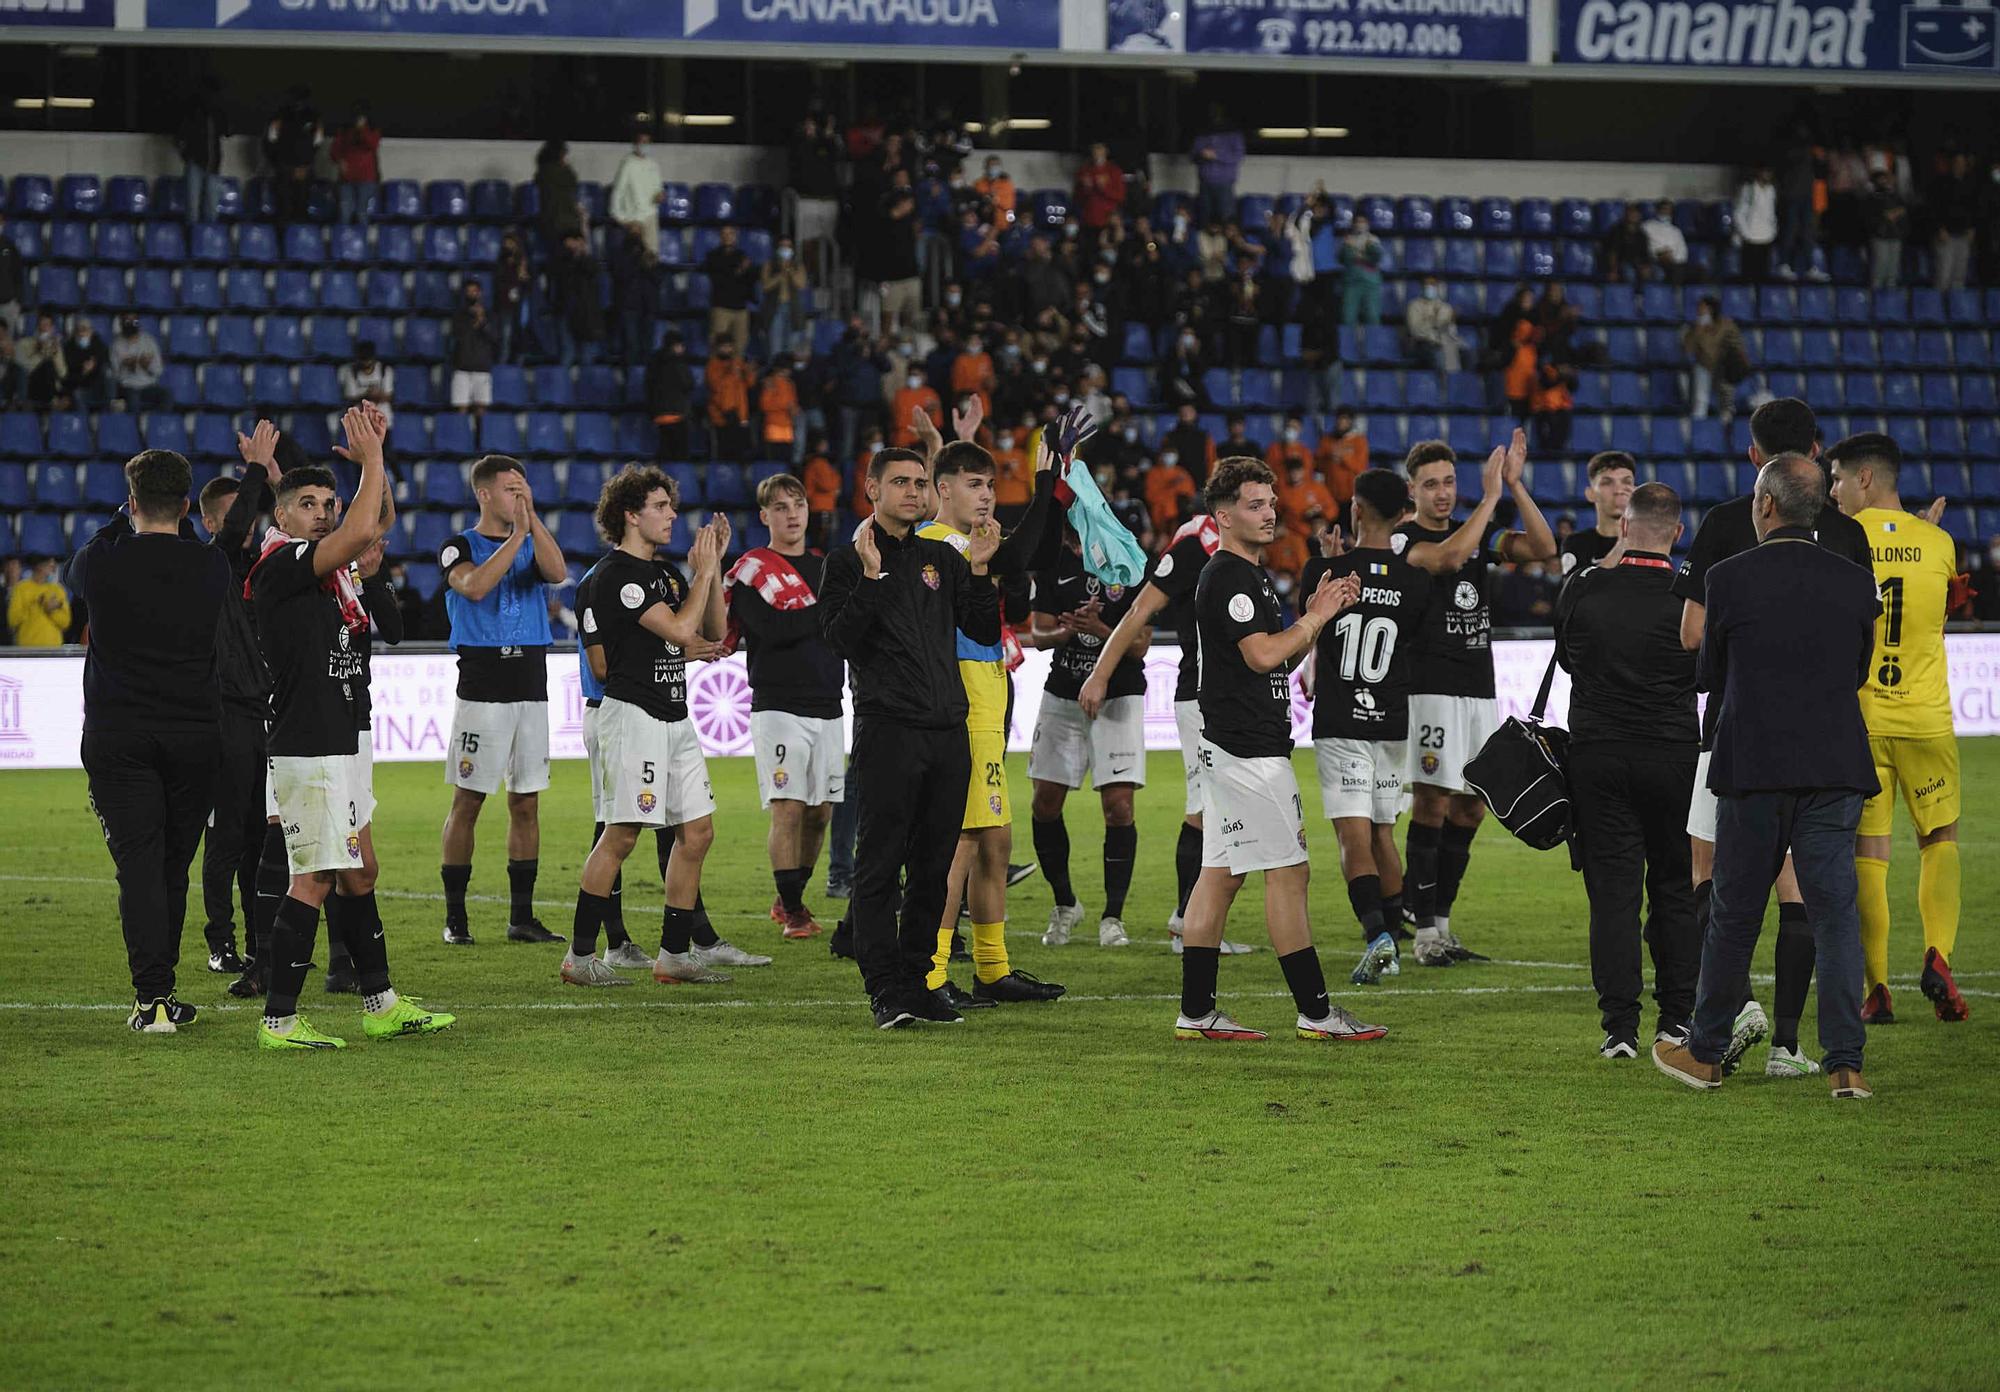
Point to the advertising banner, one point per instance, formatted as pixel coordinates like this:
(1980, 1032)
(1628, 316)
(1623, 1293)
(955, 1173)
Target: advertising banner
(1472, 31)
(93, 14)
(1917, 38)
(41, 700)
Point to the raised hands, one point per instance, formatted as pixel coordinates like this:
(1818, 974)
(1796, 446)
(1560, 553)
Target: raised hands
(1517, 458)
(260, 447)
(370, 560)
(926, 431)
(1331, 543)
(1071, 430)
(965, 420)
(1493, 474)
(1331, 596)
(982, 542)
(363, 427)
(865, 549)
(1088, 620)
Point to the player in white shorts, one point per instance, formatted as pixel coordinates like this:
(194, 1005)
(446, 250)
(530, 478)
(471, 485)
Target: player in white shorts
(1252, 816)
(1072, 612)
(1452, 710)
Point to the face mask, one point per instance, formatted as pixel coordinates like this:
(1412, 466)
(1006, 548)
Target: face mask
(953, 299)
(784, 253)
(1109, 255)
(1168, 459)
(1062, 398)
(905, 349)
(1005, 442)
(1131, 432)
(1040, 365)
(1189, 343)
(975, 348)
(914, 381)
(1011, 351)
(874, 445)
(1704, 318)
(1291, 434)
(1070, 230)
(1104, 480)
(1431, 292)
(1102, 277)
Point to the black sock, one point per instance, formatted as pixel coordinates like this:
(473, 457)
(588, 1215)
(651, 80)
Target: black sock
(361, 919)
(1454, 851)
(1187, 864)
(663, 849)
(1796, 954)
(1420, 879)
(1121, 849)
(1307, 981)
(1364, 892)
(337, 929)
(615, 935)
(1392, 912)
(701, 930)
(274, 877)
(456, 878)
(292, 937)
(591, 911)
(1198, 971)
(676, 929)
(792, 888)
(1052, 850)
(521, 890)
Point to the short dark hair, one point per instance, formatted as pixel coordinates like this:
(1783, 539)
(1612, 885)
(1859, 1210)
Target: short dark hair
(770, 488)
(215, 490)
(961, 457)
(883, 458)
(1385, 491)
(1869, 447)
(158, 481)
(1784, 426)
(626, 491)
(364, 350)
(1654, 508)
(490, 467)
(1794, 482)
(1606, 460)
(305, 476)
(1229, 477)
(1427, 452)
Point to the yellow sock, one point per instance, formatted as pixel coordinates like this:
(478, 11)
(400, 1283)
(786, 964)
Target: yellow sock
(1937, 895)
(940, 960)
(1873, 900)
(989, 951)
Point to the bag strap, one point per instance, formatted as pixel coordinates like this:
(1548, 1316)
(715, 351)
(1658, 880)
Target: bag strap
(1542, 696)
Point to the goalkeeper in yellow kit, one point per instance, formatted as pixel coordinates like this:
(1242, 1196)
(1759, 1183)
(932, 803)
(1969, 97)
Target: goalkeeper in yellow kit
(1907, 704)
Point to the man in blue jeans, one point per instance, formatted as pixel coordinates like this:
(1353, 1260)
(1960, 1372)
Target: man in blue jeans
(1789, 637)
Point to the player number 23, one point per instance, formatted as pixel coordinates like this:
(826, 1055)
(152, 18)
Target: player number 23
(1430, 737)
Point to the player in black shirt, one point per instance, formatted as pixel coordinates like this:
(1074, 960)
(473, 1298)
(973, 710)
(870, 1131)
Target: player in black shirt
(1252, 818)
(1612, 476)
(150, 713)
(1452, 712)
(310, 621)
(641, 626)
(797, 731)
(1361, 707)
(1072, 613)
(1783, 426)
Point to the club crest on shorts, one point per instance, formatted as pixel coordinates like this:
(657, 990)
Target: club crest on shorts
(647, 802)
(1429, 763)
(465, 768)
(930, 574)
(354, 846)
(994, 803)
(780, 778)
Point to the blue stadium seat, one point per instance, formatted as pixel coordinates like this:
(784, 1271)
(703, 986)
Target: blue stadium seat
(1926, 306)
(257, 244)
(166, 243)
(714, 203)
(1463, 259)
(500, 433)
(187, 337)
(1046, 208)
(283, 339)
(482, 244)
(1815, 304)
(1900, 392)
(492, 201)
(576, 533)
(552, 387)
(347, 245)
(168, 202)
(20, 435)
(1667, 438)
(1457, 217)
(117, 243)
(1947, 437)
(445, 484)
(1423, 391)
(1857, 391)
(1933, 348)
(595, 435)
(310, 434)
(1851, 305)
(1379, 209)
(599, 385)
(1627, 392)
(1970, 348)
(271, 386)
(1576, 259)
(446, 200)
(118, 437)
(510, 387)
(304, 246)
(1777, 304)
(1939, 392)
(31, 196)
(1857, 348)
(14, 495)
(452, 435)
(70, 435)
(246, 289)
(423, 340)
(394, 246)
(1661, 304)
(56, 486)
(69, 241)
(428, 531)
(1706, 439)
(1416, 216)
(80, 196)
(1909, 433)
(400, 200)
(1382, 392)
(584, 482)
(1816, 349)
(1419, 258)
(214, 437)
(292, 289)
(1976, 392)
(1982, 437)
(327, 333)
(340, 290)
(126, 196)
(42, 535)
(222, 387)
(1963, 307)
(1470, 436)
(104, 485)
(1590, 392)
(1898, 347)
(1573, 218)
(319, 385)
(726, 487)
(1531, 217)
(1622, 347)
(163, 430)
(545, 434)
(678, 206)
(104, 288)
(1628, 433)
(595, 200)
(384, 290)
(442, 246)
(1503, 260)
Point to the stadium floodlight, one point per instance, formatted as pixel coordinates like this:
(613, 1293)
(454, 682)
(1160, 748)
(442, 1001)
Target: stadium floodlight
(1330, 132)
(1282, 132)
(58, 103)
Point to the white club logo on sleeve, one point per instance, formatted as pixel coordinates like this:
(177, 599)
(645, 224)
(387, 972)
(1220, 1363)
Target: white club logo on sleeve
(590, 621)
(1166, 565)
(1398, 544)
(1240, 608)
(632, 596)
(450, 556)
(1569, 561)
(299, 551)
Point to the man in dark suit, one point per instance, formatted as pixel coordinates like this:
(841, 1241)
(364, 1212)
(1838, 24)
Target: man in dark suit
(1790, 633)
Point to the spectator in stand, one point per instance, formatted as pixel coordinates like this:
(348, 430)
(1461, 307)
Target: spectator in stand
(1798, 220)
(1888, 224)
(1304, 508)
(670, 396)
(638, 190)
(199, 138)
(561, 216)
(89, 361)
(1169, 491)
(1322, 230)
(809, 379)
(859, 366)
(38, 607)
(1290, 447)
(635, 293)
(475, 347)
(135, 366)
(290, 141)
(1556, 323)
(356, 155)
(1715, 348)
(1989, 228)
(13, 384)
(972, 373)
(915, 395)
(1626, 252)
(1237, 442)
(1525, 596)
(897, 269)
(997, 188)
(1099, 192)
(572, 275)
(781, 288)
(1430, 328)
(823, 483)
(1190, 444)
(368, 378)
(1342, 457)
(1847, 188)
(729, 382)
(1984, 568)
(1552, 406)
(978, 248)
(731, 281)
(1013, 477)
(44, 368)
(1954, 205)
(1218, 158)
(409, 600)
(1045, 292)
(1517, 378)
(871, 445)
(13, 279)
(1361, 257)
(1666, 246)
(1757, 223)
(814, 169)
(1241, 322)
(1180, 372)
(778, 413)
(513, 287)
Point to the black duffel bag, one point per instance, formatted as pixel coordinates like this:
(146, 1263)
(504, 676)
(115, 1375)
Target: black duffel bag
(1522, 776)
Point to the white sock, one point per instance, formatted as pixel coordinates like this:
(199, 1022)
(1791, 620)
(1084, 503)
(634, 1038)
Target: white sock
(280, 1024)
(1443, 922)
(1433, 934)
(376, 1004)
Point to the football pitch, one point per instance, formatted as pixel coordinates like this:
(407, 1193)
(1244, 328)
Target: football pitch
(748, 1186)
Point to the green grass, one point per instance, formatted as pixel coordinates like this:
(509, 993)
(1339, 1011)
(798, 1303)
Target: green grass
(746, 1186)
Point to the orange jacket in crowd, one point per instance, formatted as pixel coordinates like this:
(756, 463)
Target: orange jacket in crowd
(1552, 393)
(776, 401)
(1013, 478)
(908, 399)
(1306, 506)
(973, 373)
(1520, 375)
(729, 382)
(862, 507)
(1166, 485)
(822, 483)
(1342, 459)
(1287, 554)
(1001, 193)
(1100, 192)
(1279, 454)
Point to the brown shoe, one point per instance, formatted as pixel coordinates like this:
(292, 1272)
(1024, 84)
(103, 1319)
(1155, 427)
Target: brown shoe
(1678, 1062)
(1848, 1082)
